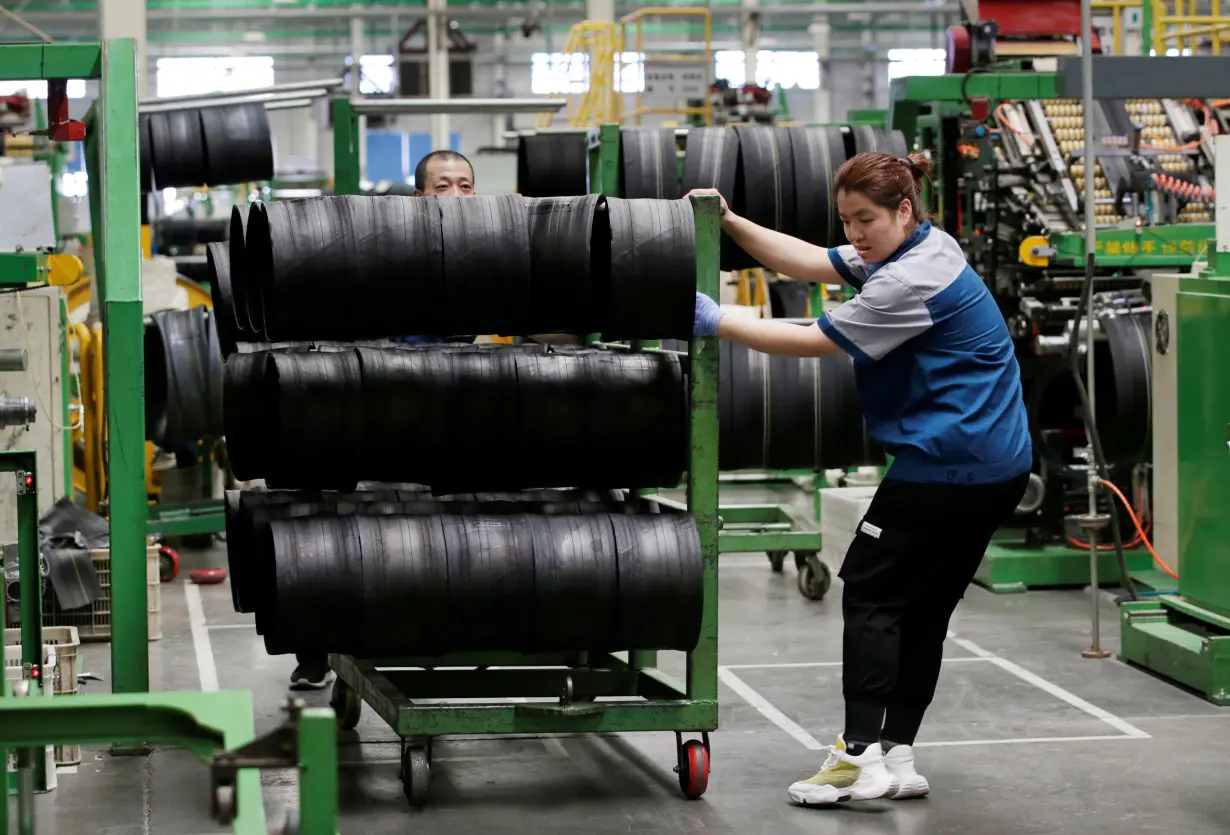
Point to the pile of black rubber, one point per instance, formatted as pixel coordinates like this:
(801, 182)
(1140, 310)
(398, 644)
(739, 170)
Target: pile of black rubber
(183, 378)
(475, 417)
(205, 146)
(307, 295)
(375, 575)
(363, 267)
(778, 177)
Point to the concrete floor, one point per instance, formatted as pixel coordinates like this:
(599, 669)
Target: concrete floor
(1024, 737)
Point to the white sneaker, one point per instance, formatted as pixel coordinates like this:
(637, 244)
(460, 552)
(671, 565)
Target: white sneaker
(908, 783)
(846, 777)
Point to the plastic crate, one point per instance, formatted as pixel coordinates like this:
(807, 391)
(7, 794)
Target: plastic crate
(93, 623)
(62, 642)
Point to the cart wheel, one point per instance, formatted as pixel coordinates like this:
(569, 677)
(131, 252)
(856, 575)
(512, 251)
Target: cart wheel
(814, 578)
(415, 775)
(777, 559)
(168, 564)
(693, 769)
(346, 704)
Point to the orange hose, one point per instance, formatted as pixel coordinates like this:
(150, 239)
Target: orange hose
(1140, 532)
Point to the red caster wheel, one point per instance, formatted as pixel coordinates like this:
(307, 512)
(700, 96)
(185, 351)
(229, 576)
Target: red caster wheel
(207, 576)
(168, 564)
(693, 768)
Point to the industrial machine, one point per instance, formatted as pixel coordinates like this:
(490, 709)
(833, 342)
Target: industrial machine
(1009, 146)
(217, 726)
(1186, 637)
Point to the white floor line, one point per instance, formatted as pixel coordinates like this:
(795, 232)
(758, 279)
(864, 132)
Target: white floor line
(1052, 689)
(956, 743)
(205, 665)
(767, 710)
(251, 627)
(789, 665)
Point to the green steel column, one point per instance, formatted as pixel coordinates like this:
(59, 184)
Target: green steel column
(66, 395)
(317, 772)
(1146, 26)
(117, 244)
(703, 456)
(346, 174)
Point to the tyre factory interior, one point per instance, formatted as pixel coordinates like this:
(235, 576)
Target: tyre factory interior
(276, 563)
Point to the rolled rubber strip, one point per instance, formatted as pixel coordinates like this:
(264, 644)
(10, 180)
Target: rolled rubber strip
(818, 151)
(764, 185)
(865, 139)
(249, 316)
(1127, 431)
(565, 265)
(842, 432)
(582, 418)
(553, 164)
(652, 288)
(238, 144)
(712, 161)
(648, 164)
(486, 262)
(145, 154)
(179, 149)
(226, 323)
(188, 232)
(399, 585)
(179, 360)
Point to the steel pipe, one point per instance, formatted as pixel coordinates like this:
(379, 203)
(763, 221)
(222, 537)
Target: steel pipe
(289, 104)
(230, 101)
(390, 107)
(323, 84)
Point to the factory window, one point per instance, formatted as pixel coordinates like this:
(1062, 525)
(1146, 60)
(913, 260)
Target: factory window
(774, 68)
(38, 89)
(200, 76)
(378, 74)
(903, 63)
(567, 73)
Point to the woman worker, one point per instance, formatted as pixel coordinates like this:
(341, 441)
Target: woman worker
(941, 393)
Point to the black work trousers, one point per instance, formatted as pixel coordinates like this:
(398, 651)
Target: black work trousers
(912, 558)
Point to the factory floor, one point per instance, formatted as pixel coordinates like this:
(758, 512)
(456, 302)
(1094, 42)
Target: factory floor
(1024, 736)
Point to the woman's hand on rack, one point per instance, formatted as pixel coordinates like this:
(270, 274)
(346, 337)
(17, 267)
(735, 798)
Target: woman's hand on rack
(725, 213)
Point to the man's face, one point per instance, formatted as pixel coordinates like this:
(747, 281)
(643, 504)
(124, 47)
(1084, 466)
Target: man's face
(447, 178)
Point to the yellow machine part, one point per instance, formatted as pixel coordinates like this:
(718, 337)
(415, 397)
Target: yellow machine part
(1026, 251)
(64, 270)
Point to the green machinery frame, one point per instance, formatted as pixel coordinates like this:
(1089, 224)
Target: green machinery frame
(1186, 637)
(651, 700)
(748, 528)
(217, 725)
(917, 106)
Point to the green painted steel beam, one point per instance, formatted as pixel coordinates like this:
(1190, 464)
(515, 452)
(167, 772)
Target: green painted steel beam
(960, 87)
(111, 157)
(346, 169)
(1174, 650)
(25, 62)
(318, 789)
(1010, 568)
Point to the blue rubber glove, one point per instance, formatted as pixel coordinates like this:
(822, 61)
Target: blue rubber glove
(708, 314)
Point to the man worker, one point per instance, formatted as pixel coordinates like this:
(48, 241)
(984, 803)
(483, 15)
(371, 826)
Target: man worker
(439, 174)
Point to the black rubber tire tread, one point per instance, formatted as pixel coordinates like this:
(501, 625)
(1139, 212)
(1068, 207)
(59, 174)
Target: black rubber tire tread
(790, 414)
(314, 402)
(238, 144)
(179, 149)
(660, 568)
(145, 154)
(248, 313)
(712, 161)
(178, 365)
(188, 233)
(843, 440)
(565, 266)
(486, 262)
(1125, 395)
(891, 142)
(648, 164)
(764, 186)
(553, 164)
(576, 582)
(474, 417)
(652, 289)
(226, 322)
(788, 299)
(818, 151)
